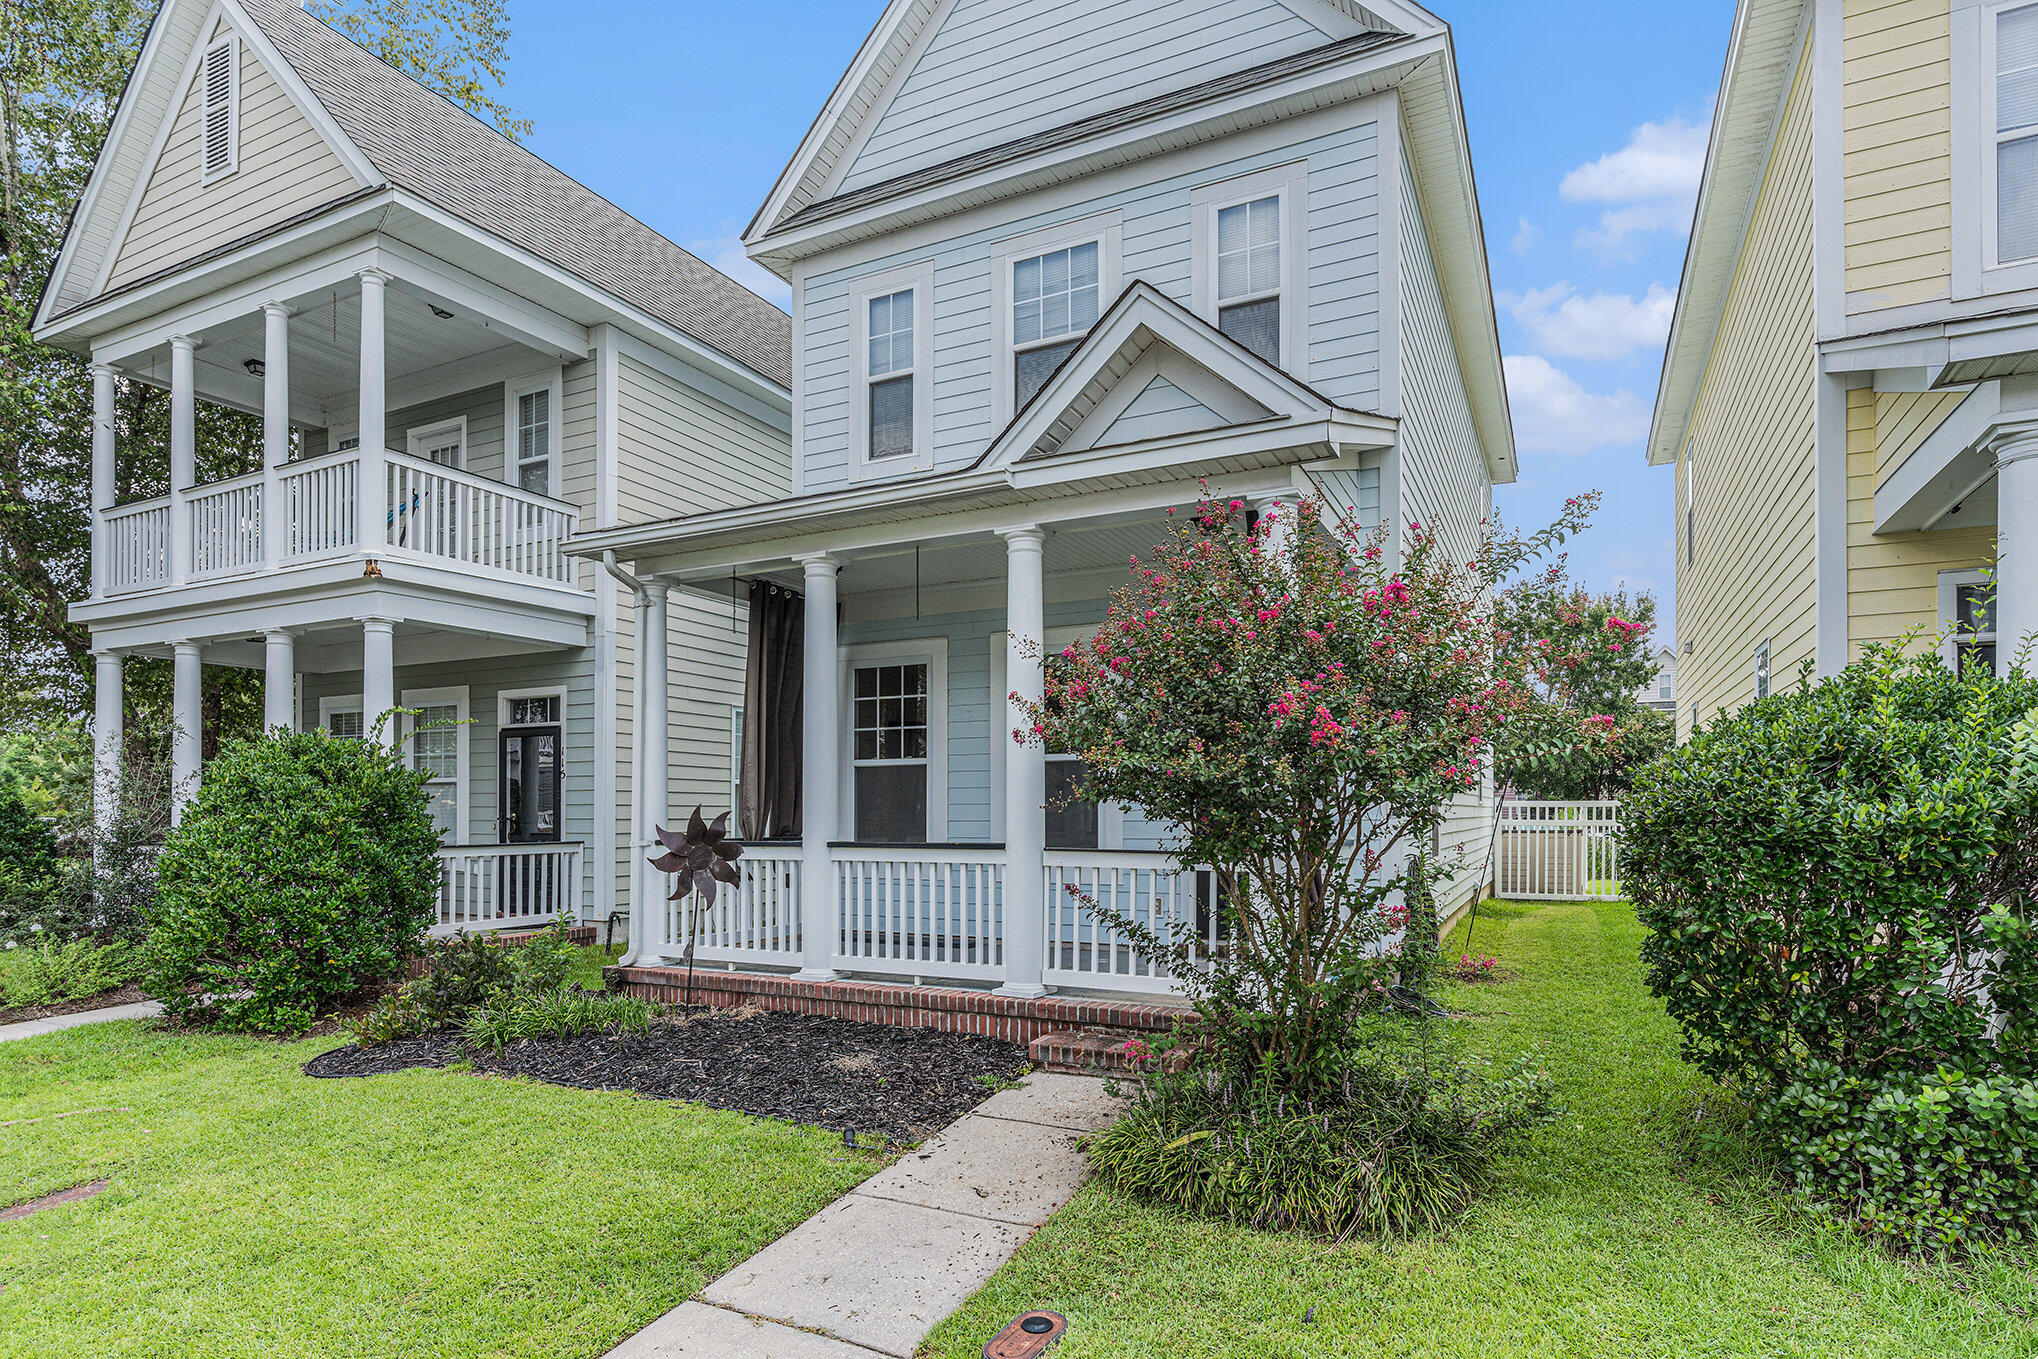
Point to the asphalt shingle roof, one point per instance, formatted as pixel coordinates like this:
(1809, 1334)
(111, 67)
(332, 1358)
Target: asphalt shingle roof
(430, 146)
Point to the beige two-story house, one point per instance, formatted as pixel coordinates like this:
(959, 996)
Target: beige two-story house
(461, 358)
(1850, 395)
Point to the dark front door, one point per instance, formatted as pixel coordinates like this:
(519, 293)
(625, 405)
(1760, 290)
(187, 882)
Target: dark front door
(530, 785)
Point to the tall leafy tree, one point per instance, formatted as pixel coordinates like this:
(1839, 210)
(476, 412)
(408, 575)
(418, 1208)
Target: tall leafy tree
(63, 66)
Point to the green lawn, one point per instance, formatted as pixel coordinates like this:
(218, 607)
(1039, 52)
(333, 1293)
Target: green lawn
(1598, 1242)
(255, 1211)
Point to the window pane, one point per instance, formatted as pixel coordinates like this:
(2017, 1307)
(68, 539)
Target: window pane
(1249, 249)
(1231, 229)
(1071, 820)
(1033, 367)
(1256, 325)
(442, 801)
(348, 726)
(891, 804)
(534, 712)
(2017, 100)
(891, 418)
(435, 745)
(1231, 275)
(1026, 280)
(891, 333)
(2016, 59)
(1972, 610)
(1054, 294)
(1026, 322)
(2017, 200)
(1978, 658)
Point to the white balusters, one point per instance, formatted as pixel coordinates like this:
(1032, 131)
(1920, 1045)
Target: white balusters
(495, 887)
(226, 527)
(137, 546)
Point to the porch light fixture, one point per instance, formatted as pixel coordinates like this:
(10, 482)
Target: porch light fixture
(1028, 1335)
(256, 368)
(440, 311)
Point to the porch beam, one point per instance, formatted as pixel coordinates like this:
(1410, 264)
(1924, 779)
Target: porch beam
(820, 809)
(1025, 765)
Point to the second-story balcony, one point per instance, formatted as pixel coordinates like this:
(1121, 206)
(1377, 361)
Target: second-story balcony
(315, 510)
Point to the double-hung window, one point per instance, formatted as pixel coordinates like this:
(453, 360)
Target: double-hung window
(1967, 620)
(891, 752)
(1055, 299)
(2015, 153)
(534, 440)
(890, 391)
(1249, 275)
(437, 748)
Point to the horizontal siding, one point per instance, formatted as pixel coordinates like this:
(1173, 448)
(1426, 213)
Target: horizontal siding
(1893, 579)
(1161, 409)
(286, 167)
(482, 409)
(1443, 474)
(1898, 151)
(1156, 232)
(579, 450)
(680, 451)
(1754, 429)
(996, 70)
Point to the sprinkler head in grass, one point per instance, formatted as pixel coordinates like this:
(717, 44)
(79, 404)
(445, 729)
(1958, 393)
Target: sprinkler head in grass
(1029, 1334)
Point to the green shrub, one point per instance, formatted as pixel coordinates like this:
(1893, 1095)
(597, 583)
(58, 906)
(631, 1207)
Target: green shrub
(1838, 884)
(1399, 1146)
(566, 1013)
(467, 974)
(31, 864)
(49, 973)
(304, 870)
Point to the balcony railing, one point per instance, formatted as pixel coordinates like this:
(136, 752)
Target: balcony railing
(430, 512)
(938, 914)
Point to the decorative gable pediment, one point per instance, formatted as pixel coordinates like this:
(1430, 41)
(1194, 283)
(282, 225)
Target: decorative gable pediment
(942, 79)
(1149, 372)
(215, 140)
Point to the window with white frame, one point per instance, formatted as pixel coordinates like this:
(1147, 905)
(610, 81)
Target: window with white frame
(436, 748)
(343, 718)
(532, 441)
(444, 443)
(892, 357)
(1073, 820)
(2016, 133)
(221, 76)
(531, 710)
(890, 752)
(1055, 301)
(1967, 621)
(1249, 275)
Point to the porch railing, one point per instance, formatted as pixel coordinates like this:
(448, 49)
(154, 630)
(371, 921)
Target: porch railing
(499, 887)
(757, 921)
(1558, 851)
(1090, 892)
(431, 512)
(933, 912)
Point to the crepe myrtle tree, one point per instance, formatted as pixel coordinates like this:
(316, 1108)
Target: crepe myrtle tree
(1301, 708)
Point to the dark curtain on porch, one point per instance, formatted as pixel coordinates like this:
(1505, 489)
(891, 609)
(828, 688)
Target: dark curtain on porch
(768, 801)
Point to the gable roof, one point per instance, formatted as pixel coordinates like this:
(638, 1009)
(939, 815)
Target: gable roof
(416, 140)
(1761, 63)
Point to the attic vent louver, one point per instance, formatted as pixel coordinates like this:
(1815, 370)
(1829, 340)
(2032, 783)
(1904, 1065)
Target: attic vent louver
(222, 90)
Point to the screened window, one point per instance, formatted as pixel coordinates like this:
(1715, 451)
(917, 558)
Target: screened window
(1249, 275)
(534, 441)
(2016, 134)
(1974, 628)
(1054, 303)
(892, 359)
(890, 753)
(435, 750)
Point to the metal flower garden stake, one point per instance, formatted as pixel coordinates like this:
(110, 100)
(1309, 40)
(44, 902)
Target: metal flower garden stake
(699, 859)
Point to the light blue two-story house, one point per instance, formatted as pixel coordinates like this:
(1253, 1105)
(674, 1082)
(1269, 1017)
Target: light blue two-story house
(1056, 265)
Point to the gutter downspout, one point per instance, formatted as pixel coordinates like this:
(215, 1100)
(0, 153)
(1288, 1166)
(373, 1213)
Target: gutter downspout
(640, 834)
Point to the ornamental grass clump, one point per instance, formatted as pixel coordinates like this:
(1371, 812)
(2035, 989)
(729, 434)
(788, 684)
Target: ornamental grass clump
(1839, 885)
(305, 870)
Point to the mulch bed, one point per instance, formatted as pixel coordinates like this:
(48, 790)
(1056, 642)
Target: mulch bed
(831, 1073)
(105, 1000)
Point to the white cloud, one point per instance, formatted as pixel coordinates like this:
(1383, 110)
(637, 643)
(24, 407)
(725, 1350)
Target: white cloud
(1561, 321)
(726, 254)
(1652, 183)
(1527, 235)
(1554, 414)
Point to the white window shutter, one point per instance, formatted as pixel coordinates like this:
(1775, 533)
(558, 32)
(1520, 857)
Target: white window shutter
(222, 89)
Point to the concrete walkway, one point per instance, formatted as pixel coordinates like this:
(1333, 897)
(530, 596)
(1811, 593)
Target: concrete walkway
(35, 1028)
(879, 1268)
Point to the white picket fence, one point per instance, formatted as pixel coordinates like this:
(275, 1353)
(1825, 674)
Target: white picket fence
(1557, 851)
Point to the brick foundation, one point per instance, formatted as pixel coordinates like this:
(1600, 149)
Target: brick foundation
(948, 1009)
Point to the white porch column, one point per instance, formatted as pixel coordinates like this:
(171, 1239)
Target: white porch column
(378, 680)
(188, 711)
(1025, 930)
(2016, 452)
(104, 486)
(820, 801)
(653, 791)
(109, 715)
(1285, 511)
(374, 417)
(183, 452)
(275, 428)
(279, 680)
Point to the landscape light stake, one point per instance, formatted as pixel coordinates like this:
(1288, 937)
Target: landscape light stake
(701, 858)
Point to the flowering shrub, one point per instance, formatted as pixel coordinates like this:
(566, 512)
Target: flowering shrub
(1470, 969)
(1301, 710)
(1838, 884)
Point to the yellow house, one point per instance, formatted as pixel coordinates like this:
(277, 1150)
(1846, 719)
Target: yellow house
(1850, 393)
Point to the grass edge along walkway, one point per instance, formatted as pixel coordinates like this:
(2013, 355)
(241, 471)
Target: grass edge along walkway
(1599, 1240)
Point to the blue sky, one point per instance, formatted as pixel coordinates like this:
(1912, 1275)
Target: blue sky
(1588, 126)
